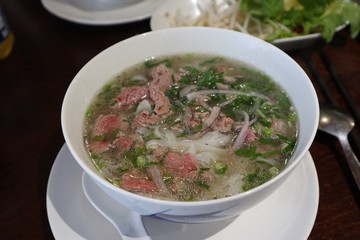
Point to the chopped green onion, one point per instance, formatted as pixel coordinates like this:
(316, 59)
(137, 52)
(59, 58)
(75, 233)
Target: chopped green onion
(168, 178)
(249, 152)
(150, 63)
(141, 161)
(89, 112)
(220, 167)
(268, 132)
(204, 169)
(117, 182)
(274, 171)
(203, 185)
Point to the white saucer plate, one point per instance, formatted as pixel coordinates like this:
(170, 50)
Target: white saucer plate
(188, 8)
(101, 12)
(289, 213)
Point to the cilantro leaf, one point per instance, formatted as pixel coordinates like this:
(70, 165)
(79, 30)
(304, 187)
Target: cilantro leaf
(301, 17)
(351, 13)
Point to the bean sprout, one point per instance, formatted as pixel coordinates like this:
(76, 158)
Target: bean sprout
(222, 14)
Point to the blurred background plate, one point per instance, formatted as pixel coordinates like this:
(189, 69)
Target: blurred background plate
(101, 12)
(189, 9)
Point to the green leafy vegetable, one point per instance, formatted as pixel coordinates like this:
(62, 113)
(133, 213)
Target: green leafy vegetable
(150, 63)
(249, 152)
(203, 185)
(107, 136)
(168, 178)
(220, 167)
(211, 61)
(109, 92)
(255, 179)
(140, 161)
(203, 169)
(137, 157)
(300, 17)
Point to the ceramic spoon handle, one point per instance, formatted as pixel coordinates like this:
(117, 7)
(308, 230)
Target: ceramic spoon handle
(134, 231)
(128, 223)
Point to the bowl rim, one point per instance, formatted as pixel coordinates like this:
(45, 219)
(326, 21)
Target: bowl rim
(241, 195)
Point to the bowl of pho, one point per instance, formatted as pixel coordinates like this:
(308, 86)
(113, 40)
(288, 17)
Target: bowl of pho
(190, 121)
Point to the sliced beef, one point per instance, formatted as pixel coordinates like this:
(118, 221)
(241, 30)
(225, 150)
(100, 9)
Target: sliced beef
(131, 95)
(144, 119)
(135, 183)
(184, 166)
(98, 147)
(197, 119)
(250, 136)
(160, 100)
(108, 123)
(122, 144)
(161, 78)
(223, 124)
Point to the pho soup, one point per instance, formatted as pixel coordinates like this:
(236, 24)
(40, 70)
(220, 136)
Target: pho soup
(190, 128)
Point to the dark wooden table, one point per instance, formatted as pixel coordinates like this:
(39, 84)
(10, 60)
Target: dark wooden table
(47, 54)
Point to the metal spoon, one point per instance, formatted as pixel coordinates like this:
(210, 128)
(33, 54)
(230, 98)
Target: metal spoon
(128, 223)
(339, 124)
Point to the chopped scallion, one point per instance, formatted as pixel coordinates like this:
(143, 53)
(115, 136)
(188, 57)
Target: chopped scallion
(220, 167)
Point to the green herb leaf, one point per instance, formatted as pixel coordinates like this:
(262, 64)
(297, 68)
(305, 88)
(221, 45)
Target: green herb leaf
(255, 179)
(249, 152)
(153, 62)
(203, 185)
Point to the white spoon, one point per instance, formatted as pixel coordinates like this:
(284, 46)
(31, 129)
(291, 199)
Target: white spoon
(128, 223)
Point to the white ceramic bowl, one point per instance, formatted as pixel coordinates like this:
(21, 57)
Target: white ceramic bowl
(264, 56)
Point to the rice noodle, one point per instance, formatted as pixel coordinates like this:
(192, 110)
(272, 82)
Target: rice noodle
(187, 117)
(205, 158)
(142, 131)
(222, 14)
(212, 142)
(229, 101)
(186, 90)
(159, 182)
(144, 106)
(234, 183)
(215, 139)
(139, 78)
(268, 160)
(157, 177)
